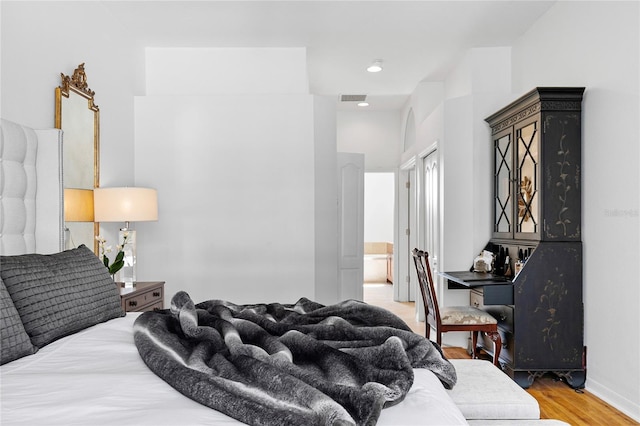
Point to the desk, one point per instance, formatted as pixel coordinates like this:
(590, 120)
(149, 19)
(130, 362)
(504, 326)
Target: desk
(539, 312)
(496, 289)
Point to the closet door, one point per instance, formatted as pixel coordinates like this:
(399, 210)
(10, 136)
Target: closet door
(431, 225)
(430, 222)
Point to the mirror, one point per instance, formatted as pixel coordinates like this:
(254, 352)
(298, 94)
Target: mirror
(79, 118)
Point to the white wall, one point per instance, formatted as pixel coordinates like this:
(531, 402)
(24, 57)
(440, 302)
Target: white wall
(599, 49)
(326, 198)
(245, 173)
(198, 70)
(373, 133)
(236, 222)
(379, 207)
(73, 32)
(41, 40)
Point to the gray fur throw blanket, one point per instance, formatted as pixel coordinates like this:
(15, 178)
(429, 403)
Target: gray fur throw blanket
(277, 364)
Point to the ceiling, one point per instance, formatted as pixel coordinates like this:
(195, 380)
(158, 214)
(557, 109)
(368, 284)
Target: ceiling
(417, 40)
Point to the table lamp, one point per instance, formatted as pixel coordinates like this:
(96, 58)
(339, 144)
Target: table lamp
(78, 207)
(127, 204)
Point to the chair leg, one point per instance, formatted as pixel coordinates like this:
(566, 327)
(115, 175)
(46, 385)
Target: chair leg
(474, 344)
(497, 346)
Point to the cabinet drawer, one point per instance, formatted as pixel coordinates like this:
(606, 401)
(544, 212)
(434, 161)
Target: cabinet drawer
(139, 302)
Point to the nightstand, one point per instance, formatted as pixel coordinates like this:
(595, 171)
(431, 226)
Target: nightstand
(144, 296)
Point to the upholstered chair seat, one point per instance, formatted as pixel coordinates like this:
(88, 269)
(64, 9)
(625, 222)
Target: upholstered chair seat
(465, 315)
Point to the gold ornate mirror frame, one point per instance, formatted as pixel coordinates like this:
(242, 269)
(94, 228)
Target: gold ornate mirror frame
(79, 118)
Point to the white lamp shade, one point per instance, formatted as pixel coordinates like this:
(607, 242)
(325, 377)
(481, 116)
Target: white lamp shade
(125, 204)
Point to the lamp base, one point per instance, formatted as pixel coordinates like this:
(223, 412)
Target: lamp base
(127, 239)
(68, 241)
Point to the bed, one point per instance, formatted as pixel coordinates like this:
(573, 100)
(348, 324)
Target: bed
(96, 377)
(70, 355)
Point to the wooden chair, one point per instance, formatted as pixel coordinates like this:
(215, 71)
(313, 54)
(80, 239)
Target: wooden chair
(453, 318)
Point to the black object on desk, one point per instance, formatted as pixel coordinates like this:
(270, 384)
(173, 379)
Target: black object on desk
(497, 289)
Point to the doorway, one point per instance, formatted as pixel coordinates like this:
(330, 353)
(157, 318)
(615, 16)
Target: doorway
(383, 195)
(379, 206)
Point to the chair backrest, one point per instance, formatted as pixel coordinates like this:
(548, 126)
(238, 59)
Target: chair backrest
(427, 289)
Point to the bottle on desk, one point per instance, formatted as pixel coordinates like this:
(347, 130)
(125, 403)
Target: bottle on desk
(519, 263)
(507, 265)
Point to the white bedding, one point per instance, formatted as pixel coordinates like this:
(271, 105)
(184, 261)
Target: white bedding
(96, 377)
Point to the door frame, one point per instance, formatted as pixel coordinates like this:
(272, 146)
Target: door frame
(403, 242)
(410, 216)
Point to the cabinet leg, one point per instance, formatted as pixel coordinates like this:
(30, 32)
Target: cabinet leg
(524, 379)
(575, 379)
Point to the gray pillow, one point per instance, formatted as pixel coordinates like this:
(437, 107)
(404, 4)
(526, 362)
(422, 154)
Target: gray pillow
(60, 294)
(14, 341)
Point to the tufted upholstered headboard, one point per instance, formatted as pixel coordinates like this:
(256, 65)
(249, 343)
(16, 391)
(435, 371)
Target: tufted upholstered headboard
(31, 190)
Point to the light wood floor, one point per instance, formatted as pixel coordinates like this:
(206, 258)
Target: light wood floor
(556, 399)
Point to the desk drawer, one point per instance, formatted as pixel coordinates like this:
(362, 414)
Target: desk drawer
(498, 294)
(476, 298)
(491, 295)
(504, 315)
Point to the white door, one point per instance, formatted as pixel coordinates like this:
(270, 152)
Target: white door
(350, 225)
(431, 221)
(429, 218)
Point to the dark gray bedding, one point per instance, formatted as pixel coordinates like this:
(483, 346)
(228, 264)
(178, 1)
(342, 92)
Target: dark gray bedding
(275, 364)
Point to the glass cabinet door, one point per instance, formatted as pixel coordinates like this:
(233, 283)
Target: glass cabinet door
(528, 180)
(503, 178)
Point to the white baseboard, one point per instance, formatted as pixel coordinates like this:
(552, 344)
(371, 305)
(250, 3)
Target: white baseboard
(628, 407)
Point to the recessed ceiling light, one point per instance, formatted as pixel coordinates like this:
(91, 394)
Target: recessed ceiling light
(376, 66)
(363, 104)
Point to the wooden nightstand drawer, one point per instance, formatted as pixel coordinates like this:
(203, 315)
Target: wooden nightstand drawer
(158, 306)
(144, 296)
(135, 303)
